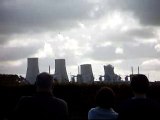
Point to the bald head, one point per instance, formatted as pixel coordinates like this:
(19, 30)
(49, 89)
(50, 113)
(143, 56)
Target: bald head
(44, 81)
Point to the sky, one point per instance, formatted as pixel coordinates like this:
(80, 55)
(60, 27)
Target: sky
(123, 33)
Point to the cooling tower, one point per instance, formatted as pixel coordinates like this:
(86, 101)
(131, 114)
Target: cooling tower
(87, 74)
(108, 73)
(60, 71)
(32, 70)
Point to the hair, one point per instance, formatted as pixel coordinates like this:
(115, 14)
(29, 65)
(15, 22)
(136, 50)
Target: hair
(44, 80)
(139, 83)
(105, 97)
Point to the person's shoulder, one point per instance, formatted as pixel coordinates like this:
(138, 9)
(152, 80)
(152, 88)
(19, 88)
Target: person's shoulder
(60, 105)
(23, 102)
(59, 101)
(92, 113)
(25, 98)
(102, 113)
(92, 110)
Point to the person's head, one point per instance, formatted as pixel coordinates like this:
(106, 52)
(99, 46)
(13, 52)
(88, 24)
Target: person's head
(139, 84)
(105, 97)
(44, 82)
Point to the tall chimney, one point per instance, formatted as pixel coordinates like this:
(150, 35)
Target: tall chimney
(132, 70)
(60, 71)
(32, 70)
(49, 69)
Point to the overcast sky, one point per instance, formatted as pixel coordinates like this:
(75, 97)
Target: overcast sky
(123, 33)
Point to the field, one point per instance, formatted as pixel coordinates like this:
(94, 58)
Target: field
(80, 97)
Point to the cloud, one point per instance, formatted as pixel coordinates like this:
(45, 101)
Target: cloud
(144, 32)
(3, 39)
(29, 16)
(147, 11)
(17, 67)
(157, 47)
(128, 51)
(18, 52)
(119, 50)
(152, 65)
(140, 51)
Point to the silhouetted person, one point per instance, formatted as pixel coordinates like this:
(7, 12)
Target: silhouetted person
(139, 107)
(104, 105)
(43, 105)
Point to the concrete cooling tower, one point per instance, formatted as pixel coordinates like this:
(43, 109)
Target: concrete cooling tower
(109, 73)
(32, 70)
(60, 71)
(86, 73)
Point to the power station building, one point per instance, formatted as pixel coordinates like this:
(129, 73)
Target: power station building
(86, 74)
(109, 75)
(60, 71)
(32, 70)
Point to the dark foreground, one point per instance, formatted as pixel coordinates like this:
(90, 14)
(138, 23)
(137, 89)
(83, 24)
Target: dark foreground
(80, 98)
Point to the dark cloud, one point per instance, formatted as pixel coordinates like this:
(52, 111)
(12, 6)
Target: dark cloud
(30, 16)
(144, 33)
(130, 51)
(23, 16)
(147, 11)
(18, 52)
(11, 69)
(117, 36)
(102, 53)
(130, 36)
(4, 38)
(18, 17)
(140, 51)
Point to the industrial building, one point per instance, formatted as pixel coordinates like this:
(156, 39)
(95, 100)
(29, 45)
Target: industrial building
(109, 75)
(32, 70)
(60, 74)
(86, 74)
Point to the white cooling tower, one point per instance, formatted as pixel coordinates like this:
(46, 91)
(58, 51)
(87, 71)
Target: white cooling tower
(32, 70)
(60, 71)
(87, 74)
